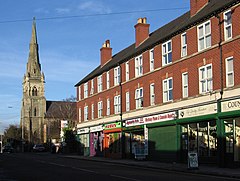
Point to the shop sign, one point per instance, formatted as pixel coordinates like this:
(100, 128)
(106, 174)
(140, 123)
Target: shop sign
(112, 126)
(96, 128)
(82, 130)
(197, 111)
(232, 105)
(151, 119)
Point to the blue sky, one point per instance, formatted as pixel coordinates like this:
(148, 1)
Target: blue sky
(69, 48)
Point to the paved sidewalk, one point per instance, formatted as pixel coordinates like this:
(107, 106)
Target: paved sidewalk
(202, 169)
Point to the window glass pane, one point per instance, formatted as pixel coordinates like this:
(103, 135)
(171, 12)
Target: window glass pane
(201, 43)
(209, 72)
(200, 31)
(207, 30)
(170, 57)
(169, 46)
(230, 65)
(170, 95)
(208, 41)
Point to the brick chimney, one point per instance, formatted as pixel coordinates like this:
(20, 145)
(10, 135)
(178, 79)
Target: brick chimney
(197, 5)
(141, 31)
(106, 52)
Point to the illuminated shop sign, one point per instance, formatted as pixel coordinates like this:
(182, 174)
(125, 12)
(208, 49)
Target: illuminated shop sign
(151, 119)
(112, 126)
(232, 105)
(197, 111)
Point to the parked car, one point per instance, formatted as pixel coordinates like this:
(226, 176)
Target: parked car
(38, 148)
(8, 149)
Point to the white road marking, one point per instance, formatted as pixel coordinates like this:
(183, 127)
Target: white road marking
(126, 178)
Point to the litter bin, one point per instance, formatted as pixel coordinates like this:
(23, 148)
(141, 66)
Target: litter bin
(192, 160)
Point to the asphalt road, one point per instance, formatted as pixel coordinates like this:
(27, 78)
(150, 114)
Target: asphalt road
(53, 167)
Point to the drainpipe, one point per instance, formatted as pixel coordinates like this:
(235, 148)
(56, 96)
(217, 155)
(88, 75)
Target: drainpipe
(220, 123)
(122, 134)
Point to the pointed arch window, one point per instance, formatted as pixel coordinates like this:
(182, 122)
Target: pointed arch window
(34, 91)
(35, 112)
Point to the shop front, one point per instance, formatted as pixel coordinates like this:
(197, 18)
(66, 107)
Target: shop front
(112, 143)
(230, 117)
(198, 132)
(96, 140)
(83, 137)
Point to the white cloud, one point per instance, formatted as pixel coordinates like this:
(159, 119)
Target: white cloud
(41, 10)
(62, 10)
(94, 7)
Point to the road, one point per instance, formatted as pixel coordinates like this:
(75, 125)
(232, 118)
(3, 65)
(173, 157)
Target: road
(53, 167)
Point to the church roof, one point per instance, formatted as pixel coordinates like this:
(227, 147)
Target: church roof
(61, 110)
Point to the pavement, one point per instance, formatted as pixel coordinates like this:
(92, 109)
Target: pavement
(179, 167)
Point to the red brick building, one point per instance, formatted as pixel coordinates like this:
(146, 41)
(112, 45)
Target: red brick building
(173, 91)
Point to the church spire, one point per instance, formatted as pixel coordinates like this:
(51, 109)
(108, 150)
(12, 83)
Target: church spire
(33, 65)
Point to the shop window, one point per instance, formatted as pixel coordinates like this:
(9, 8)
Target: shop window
(229, 136)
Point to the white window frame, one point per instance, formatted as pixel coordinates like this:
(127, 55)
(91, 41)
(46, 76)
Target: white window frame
(79, 115)
(79, 93)
(139, 98)
(152, 94)
(85, 90)
(117, 75)
(151, 59)
(167, 53)
(184, 44)
(127, 70)
(108, 107)
(185, 84)
(92, 111)
(99, 80)
(108, 80)
(100, 109)
(127, 101)
(138, 66)
(92, 87)
(117, 104)
(205, 36)
(229, 72)
(85, 113)
(227, 25)
(205, 79)
(168, 89)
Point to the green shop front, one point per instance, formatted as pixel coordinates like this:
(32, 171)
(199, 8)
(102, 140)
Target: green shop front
(230, 119)
(83, 137)
(198, 132)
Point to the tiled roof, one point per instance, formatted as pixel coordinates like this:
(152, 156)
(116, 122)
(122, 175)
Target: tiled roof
(61, 110)
(162, 34)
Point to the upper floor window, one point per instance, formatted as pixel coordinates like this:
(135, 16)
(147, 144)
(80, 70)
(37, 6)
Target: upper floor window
(108, 80)
(117, 75)
(138, 66)
(204, 36)
(167, 90)
(205, 79)
(184, 44)
(117, 104)
(127, 70)
(92, 111)
(79, 93)
(100, 109)
(167, 53)
(139, 98)
(185, 84)
(127, 101)
(227, 25)
(152, 94)
(229, 72)
(108, 107)
(79, 115)
(85, 90)
(99, 81)
(151, 56)
(92, 87)
(85, 113)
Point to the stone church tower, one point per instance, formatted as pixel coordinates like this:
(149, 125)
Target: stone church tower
(33, 101)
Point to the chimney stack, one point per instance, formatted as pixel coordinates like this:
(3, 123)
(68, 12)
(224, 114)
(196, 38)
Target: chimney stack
(196, 5)
(141, 31)
(106, 52)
